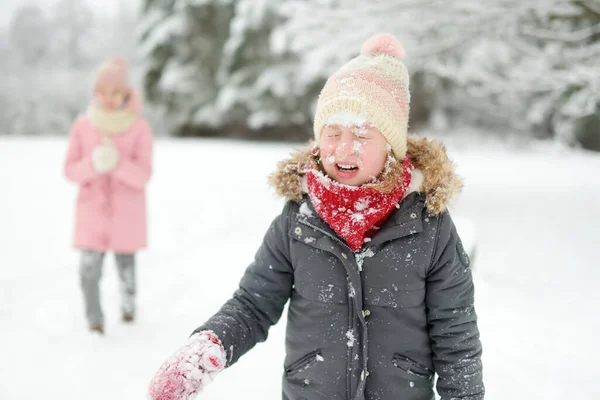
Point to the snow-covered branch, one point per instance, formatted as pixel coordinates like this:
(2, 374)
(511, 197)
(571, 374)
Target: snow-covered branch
(570, 37)
(590, 6)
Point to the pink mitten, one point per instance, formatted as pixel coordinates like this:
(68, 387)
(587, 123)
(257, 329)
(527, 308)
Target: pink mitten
(190, 369)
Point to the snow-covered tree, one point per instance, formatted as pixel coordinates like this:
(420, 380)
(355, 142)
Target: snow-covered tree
(565, 92)
(540, 75)
(275, 55)
(513, 65)
(72, 25)
(212, 66)
(41, 90)
(257, 79)
(30, 34)
(436, 34)
(182, 41)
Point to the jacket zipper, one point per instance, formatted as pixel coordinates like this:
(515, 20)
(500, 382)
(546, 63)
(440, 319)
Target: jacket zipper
(349, 353)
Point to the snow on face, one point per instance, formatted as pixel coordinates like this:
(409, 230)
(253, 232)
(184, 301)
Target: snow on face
(353, 152)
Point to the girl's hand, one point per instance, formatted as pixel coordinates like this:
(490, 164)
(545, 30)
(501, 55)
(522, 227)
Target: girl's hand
(105, 157)
(190, 369)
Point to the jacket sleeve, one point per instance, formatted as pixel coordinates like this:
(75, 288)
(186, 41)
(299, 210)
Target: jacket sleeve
(258, 303)
(451, 318)
(78, 167)
(135, 171)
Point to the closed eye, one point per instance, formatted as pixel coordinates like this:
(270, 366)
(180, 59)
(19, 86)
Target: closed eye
(331, 132)
(362, 132)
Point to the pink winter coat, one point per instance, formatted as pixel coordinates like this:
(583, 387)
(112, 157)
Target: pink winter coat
(111, 208)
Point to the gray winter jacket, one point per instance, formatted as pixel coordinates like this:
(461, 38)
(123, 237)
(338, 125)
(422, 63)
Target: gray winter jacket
(373, 325)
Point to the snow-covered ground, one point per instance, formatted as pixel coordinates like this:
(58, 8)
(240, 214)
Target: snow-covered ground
(537, 269)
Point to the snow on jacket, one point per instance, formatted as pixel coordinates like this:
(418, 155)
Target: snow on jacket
(374, 324)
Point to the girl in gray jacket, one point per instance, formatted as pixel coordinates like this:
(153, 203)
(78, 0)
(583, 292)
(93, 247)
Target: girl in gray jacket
(379, 287)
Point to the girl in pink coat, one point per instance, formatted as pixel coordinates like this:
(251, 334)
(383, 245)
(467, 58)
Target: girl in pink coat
(110, 157)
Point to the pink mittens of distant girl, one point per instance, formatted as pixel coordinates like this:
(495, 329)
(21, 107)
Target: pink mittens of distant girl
(190, 369)
(105, 157)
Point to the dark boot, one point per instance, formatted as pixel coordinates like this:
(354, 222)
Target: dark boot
(97, 327)
(127, 317)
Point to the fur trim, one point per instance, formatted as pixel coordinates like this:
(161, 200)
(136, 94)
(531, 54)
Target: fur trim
(439, 182)
(288, 177)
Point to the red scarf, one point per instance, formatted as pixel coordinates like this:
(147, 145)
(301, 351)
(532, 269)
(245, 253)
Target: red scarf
(354, 211)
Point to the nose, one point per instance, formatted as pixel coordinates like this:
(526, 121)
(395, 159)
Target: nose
(346, 145)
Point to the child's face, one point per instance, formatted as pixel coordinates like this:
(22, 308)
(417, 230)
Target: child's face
(352, 155)
(110, 97)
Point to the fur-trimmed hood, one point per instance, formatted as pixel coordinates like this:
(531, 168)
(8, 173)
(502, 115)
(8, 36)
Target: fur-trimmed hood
(434, 174)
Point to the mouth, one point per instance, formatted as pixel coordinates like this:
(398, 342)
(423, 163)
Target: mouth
(346, 168)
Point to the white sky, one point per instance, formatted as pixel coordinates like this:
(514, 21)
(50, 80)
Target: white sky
(107, 7)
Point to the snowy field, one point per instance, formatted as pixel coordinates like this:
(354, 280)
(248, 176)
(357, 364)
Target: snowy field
(536, 214)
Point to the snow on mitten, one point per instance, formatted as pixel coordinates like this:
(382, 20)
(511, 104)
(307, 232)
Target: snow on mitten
(105, 157)
(190, 369)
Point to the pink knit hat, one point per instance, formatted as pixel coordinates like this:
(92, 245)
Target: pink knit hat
(115, 72)
(372, 86)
